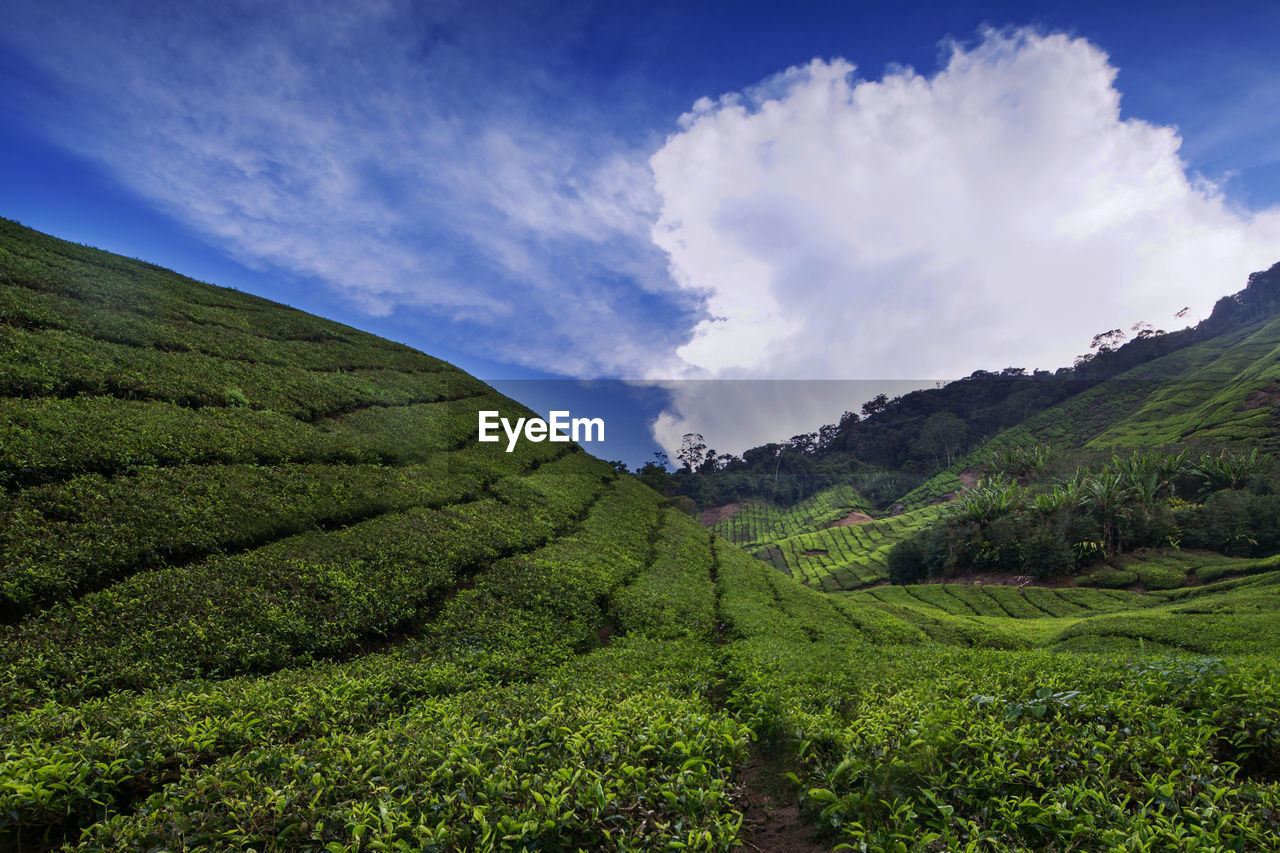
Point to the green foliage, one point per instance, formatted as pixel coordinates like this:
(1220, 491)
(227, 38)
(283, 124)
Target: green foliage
(986, 502)
(1227, 470)
(1070, 526)
(1019, 461)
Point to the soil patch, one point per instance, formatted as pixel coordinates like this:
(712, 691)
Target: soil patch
(605, 633)
(816, 552)
(1269, 396)
(771, 820)
(969, 477)
(713, 515)
(853, 518)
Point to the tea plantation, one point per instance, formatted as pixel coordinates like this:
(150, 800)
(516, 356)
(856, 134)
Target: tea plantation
(845, 557)
(757, 523)
(261, 590)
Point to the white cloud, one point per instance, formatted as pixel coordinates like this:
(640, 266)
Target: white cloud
(998, 213)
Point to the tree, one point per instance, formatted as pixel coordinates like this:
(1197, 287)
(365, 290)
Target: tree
(762, 455)
(1107, 341)
(1145, 330)
(727, 461)
(1107, 497)
(875, 405)
(943, 434)
(827, 436)
(693, 448)
(806, 443)
(655, 476)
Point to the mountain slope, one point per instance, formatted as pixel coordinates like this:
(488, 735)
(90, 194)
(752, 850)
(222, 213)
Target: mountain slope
(262, 589)
(1215, 394)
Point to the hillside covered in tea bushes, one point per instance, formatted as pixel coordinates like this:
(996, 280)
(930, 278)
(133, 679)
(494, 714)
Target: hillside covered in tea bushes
(260, 588)
(1165, 443)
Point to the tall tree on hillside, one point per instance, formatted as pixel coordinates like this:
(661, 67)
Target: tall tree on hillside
(693, 449)
(805, 443)
(1107, 341)
(826, 436)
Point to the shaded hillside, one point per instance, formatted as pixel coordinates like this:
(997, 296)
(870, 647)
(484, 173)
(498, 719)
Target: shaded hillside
(895, 446)
(263, 590)
(1215, 394)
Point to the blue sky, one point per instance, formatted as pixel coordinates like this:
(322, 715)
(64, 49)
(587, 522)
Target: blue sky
(667, 191)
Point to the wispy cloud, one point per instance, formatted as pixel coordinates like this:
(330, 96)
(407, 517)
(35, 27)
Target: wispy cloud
(400, 154)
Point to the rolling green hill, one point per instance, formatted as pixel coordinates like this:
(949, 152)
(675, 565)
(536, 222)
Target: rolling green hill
(825, 541)
(261, 589)
(1211, 392)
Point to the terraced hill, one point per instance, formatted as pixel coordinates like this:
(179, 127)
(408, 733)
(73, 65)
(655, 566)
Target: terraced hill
(262, 590)
(826, 541)
(1219, 393)
(756, 523)
(845, 557)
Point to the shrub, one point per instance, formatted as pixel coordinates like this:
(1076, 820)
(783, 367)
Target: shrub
(907, 561)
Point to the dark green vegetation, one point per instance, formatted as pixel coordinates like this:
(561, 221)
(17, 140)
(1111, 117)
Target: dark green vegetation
(262, 590)
(1036, 527)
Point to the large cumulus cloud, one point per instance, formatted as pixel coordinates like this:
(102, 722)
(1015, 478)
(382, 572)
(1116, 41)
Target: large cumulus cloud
(999, 212)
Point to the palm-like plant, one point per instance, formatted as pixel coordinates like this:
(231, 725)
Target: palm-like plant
(1150, 475)
(988, 500)
(1021, 461)
(1065, 493)
(1107, 496)
(1228, 470)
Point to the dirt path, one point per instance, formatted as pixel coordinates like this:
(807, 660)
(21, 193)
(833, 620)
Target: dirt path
(771, 819)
